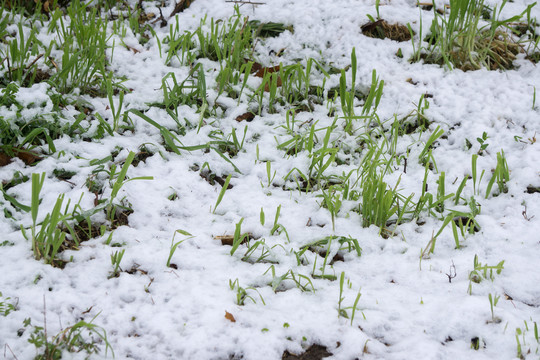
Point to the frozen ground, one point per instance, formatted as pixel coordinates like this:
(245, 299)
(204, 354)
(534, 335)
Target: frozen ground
(408, 308)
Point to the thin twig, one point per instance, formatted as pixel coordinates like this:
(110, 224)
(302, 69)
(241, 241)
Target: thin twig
(33, 62)
(54, 63)
(6, 346)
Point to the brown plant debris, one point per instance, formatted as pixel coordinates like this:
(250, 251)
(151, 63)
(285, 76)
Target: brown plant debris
(381, 29)
(181, 6)
(314, 352)
(28, 157)
(229, 239)
(212, 178)
(261, 71)
(249, 116)
(229, 316)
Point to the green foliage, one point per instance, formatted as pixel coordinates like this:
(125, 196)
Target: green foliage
(47, 237)
(82, 337)
(83, 43)
(6, 306)
(501, 176)
(457, 40)
(482, 272)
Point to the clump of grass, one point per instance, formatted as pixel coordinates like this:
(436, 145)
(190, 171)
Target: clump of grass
(462, 40)
(47, 237)
(82, 338)
(83, 44)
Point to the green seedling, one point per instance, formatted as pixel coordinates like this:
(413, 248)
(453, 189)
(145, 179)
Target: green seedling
(116, 258)
(222, 193)
(269, 175)
(277, 227)
(174, 245)
(19, 53)
(482, 141)
(6, 305)
(118, 182)
(172, 141)
(493, 300)
(239, 238)
(475, 177)
(519, 351)
(332, 200)
(47, 236)
(459, 190)
(483, 272)
(466, 222)
(342, 311)
(261, 217)
(269, 29)
(426, 155)
(117, 114)
(379, 202)
(242, 293)
(181, 46)
(501, 175)
(266, 253)
(75, 339)
(441, 193)
(347, 97)
(300, 281)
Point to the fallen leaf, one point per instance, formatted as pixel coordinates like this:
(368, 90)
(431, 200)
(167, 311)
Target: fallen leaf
(4, 159)
(267, 85)
(26, 156)
(249, 116)
(260, 72)
(229, 316)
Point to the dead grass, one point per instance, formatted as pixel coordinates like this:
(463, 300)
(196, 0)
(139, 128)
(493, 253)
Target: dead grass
(381, 29)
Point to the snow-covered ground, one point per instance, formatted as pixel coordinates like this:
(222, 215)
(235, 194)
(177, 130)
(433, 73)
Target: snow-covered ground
(413, 304)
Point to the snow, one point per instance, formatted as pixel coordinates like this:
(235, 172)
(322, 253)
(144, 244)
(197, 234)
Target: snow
(408, 307)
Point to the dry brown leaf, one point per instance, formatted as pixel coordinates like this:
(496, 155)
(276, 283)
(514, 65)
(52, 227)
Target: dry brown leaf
(4, 159)
(260, 72)
(267, 85)
(27, 157)
(249, 116)
(229, 316)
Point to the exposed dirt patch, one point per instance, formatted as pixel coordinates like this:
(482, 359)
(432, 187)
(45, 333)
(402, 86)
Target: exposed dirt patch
(141, 157)
(314, 352)
(212, 178)
(380, 29)
(85, 231)
(121, 218)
